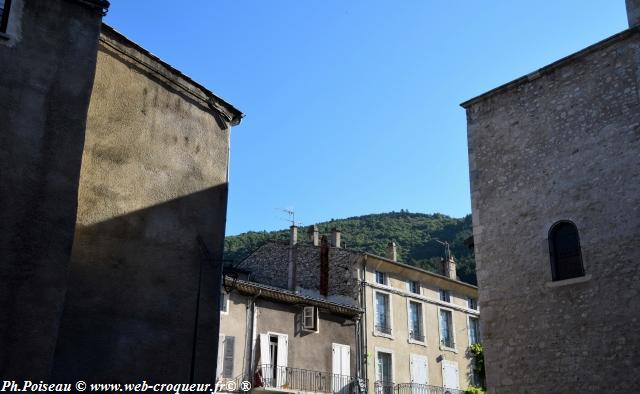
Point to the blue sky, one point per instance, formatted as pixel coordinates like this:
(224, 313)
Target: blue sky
(352, 106)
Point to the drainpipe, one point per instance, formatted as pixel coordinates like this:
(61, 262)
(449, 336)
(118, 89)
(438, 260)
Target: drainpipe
(254, 334)
(363, 364)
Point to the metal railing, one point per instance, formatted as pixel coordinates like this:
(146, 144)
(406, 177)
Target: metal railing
(412, 388)
(383, 329)
(271, 376)
(416, 336)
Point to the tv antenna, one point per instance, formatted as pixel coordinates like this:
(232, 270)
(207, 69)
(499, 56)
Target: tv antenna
(291, 216)
(446, 247)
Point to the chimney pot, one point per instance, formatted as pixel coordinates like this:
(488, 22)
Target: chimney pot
(314, 235)
(633, 12)
(335, 237)
(450, 268)
(392, 251)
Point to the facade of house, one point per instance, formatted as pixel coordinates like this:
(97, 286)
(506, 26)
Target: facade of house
(419, 326)
(416, 327)
(555, 186)
(118, 166)
(281, 341)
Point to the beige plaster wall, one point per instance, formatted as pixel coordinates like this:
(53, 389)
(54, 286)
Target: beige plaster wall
(153, 180)
(399, 344)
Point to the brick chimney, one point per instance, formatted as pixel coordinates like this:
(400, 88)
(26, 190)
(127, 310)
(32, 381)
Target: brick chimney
(314, 235)
(392, 251)
(450, 268)
(633, 12)
(335, 237)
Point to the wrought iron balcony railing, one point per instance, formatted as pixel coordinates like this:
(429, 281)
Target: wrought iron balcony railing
(270, 376)
(383, 329)
(411, 388)
(416, 336)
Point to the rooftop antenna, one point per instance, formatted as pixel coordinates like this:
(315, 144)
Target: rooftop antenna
(446, 247)
(292, 216)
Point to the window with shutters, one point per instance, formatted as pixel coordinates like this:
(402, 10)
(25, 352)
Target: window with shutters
(310, 318)
(565, 252)
(5, 7)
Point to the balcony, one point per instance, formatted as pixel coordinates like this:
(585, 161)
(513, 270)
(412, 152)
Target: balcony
(412, 388)
(286, 379)
(383, 329)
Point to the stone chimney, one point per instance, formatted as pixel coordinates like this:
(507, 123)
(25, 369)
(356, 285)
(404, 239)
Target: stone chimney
(293, 240)
(633, 12)
(450, 268)
(392, 251)
(335, 237)
(314, 235)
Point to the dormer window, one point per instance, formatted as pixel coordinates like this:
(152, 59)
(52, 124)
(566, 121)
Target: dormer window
(564, 250)
(310, 318)
(5, 6)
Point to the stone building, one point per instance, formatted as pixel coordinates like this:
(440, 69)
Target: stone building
(416, 327)
(554, 162)
(119, 167)
(48, 59)
(283, 341)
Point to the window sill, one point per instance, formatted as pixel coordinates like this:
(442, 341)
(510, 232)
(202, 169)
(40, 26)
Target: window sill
(448, 349)
(567, 282)
(380, 334)
(413, 341)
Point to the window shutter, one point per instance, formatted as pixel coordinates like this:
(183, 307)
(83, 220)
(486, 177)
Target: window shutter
(229, 348)
(264, 349)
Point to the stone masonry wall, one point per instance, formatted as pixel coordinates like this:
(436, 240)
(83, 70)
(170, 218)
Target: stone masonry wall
(269, 265)
(564, 145)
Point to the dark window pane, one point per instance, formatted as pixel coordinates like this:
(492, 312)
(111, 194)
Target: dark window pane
(566, 257)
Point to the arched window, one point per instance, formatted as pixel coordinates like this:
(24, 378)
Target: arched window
(564, 247)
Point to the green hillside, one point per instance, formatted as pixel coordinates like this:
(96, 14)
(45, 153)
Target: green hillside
(371, 233)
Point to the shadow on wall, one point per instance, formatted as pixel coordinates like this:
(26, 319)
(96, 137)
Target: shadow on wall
(130, 308)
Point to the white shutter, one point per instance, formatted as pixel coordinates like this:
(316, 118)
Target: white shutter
(264, 350)
(419, 371)
(283, 350)
(450, 374)
(283, 353)
(341, 360)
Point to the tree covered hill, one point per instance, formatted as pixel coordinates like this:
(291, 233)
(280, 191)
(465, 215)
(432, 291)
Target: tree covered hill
(412, 232)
